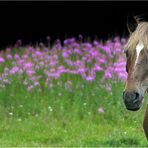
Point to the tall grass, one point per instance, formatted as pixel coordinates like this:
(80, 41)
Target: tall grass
(44, 105)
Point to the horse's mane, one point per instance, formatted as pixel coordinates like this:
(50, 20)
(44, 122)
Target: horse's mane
(140, 34)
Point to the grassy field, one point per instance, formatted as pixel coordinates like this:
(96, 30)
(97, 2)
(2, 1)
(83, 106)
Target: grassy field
(68, 117)
(63, 108)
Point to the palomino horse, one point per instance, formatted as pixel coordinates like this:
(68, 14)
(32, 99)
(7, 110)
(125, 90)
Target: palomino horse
(136, 51)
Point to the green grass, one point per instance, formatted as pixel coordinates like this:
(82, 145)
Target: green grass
(60, 117)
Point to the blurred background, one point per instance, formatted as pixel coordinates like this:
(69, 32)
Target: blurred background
(33, 21)
(67, 94)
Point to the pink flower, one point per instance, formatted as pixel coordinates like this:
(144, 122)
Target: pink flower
(108, 75)
(52, 63)
(69, 41)
(64, 54)
(25, 56)
(38, 54)
(122, 76)
(100, 110)
(61, 69)
(90, 78)
(16, 57)
(97, 68)
(81, 70)
(20, 62)
(101, 60)
(14, 70)
(30, 73)
(78, 51)
(87, 45)
(28, 65)
(69, 62)
(20, 71)
(1, 60)
(95, 43)
(94, 54)
(8, 56)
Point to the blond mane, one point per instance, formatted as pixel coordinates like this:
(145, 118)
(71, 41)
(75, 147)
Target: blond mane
(140, 34)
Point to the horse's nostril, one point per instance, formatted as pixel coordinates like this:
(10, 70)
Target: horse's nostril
(137, 95)
(131, 97)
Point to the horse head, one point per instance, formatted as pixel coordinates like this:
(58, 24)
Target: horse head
(136, 51)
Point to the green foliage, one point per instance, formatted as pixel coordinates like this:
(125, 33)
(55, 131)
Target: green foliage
(68, 116)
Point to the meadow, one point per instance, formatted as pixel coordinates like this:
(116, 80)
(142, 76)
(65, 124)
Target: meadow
(67, 94)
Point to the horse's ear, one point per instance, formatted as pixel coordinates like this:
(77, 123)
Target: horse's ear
(132, 23)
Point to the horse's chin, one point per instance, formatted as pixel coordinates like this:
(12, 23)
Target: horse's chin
(136, 108)
(133, 109)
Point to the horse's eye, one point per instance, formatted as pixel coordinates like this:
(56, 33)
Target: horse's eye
(126, 68)
(126, 52)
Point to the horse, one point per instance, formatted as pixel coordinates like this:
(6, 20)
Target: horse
(136, 50)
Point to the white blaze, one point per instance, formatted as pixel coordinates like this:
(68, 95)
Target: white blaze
(139, 47)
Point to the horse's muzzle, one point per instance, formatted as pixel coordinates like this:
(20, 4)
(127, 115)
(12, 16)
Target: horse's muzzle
(132, 100)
